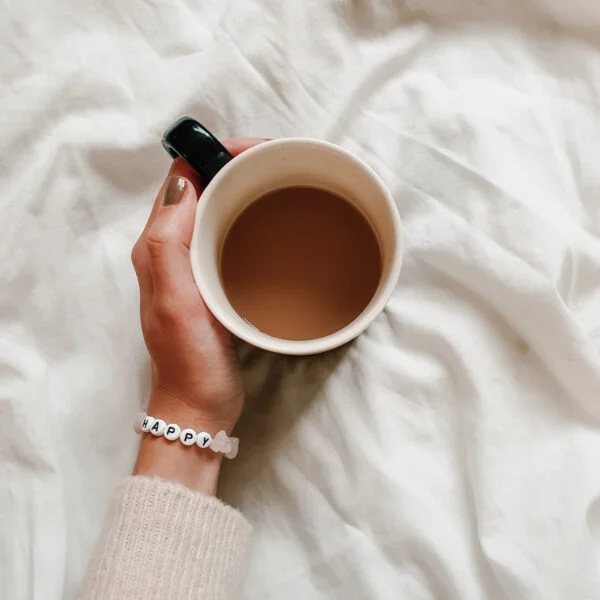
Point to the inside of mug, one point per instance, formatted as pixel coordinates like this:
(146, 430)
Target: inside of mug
(271, 166)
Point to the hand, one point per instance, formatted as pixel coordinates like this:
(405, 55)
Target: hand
(196, 381)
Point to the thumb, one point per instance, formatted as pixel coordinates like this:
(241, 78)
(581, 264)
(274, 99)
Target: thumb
(169, 239)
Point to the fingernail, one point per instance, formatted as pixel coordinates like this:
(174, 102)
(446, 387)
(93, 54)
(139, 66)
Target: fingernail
(174, 190)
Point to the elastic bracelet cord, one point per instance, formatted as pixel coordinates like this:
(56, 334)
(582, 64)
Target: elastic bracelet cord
(221, 442)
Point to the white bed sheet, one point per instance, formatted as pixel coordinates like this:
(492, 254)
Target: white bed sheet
(452, 452)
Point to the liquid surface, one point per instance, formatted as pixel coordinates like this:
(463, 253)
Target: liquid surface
(300, 263)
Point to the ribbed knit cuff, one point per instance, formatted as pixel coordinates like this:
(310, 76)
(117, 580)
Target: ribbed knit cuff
(162, 540)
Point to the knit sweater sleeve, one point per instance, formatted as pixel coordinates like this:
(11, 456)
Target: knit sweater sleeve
(162, 540)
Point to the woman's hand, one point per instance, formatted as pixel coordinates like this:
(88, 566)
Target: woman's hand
(196, 380)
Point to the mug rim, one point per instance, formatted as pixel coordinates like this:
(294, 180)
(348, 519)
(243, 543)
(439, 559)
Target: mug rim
(316, 345)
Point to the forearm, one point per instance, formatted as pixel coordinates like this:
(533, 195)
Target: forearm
(166, 535)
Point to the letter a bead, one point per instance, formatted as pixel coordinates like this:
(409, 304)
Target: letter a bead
(158, 427)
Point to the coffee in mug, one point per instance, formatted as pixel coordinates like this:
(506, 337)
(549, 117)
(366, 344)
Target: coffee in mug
(300, 263)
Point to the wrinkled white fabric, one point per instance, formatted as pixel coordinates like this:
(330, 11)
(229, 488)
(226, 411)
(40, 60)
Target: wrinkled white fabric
(453, 451)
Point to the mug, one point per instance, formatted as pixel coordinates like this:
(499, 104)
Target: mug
(234, 183)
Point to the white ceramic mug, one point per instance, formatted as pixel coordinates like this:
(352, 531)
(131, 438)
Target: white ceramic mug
(234, 183)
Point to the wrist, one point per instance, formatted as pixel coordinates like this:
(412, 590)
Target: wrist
(194, 467)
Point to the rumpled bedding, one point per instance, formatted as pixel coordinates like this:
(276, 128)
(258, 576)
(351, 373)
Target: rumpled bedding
(453, 450)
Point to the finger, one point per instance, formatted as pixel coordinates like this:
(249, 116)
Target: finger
(168, 244)
(237, 145)
(139, 255)
(184, 169)
(178, 168)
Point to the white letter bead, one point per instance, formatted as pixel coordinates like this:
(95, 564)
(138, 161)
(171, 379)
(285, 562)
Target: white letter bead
(204, 439)
(158, 427)
(172, 432)
(147, 422)
(188, 437)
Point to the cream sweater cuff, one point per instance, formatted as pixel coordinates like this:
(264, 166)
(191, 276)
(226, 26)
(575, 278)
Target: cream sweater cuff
(162, 540)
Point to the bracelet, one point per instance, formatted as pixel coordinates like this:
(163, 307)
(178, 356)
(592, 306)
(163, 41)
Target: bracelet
(188, 437)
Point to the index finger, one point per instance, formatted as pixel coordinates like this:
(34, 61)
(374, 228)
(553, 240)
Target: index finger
(237, 145)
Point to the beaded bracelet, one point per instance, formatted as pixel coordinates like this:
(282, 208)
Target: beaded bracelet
(188, 437)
